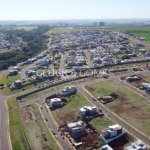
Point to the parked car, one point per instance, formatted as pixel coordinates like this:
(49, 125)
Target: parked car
(94, 98)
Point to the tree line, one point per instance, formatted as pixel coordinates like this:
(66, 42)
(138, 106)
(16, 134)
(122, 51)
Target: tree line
(36, 42)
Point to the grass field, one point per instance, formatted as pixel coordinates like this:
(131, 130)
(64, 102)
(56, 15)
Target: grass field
(37, 133)
(60, 30)
(12, 79)
(130, 106)
(69, 112)
(5, 79)
(137, 31)
(101, 123)
(26, 28)
(5, 50)
(17, 136)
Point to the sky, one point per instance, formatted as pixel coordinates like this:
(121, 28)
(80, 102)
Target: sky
(74, 9)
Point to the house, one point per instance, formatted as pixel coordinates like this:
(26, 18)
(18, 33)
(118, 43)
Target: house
(105, 147)
(87, 111)
(16, 68)
(111, 133)
(145, 86)
(133, 78)
(18, 83)
(77, 129)
(55, 102)
(68, 90)
(97, 60)
(137, 145)
(13, 72)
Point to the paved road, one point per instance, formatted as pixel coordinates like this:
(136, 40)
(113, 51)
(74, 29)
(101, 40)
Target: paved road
(50, 122)
(4, 144)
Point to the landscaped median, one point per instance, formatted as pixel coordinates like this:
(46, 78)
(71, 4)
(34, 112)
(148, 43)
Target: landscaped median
(130, 106)
(27, 128)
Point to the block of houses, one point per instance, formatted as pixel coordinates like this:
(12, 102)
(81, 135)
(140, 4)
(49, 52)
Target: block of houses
(87, 111)
(111, 133)
(137, 145)
(77, 129)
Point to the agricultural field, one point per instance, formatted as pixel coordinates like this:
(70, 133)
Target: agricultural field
(26, 28)
(60, 30)
(129, 105)
(37, 133)
(137, 31)
(70, 111)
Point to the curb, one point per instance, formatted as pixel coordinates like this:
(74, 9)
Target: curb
(8, 131)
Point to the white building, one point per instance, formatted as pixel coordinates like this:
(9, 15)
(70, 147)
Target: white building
(77, 129)
(68, 90)
(55, 102)
(112, 133)
(87, 111)
(16, 68)
(137, 145)
(105, 147)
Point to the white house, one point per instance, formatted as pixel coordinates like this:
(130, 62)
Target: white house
(112, 133)
(87, 111)
(55, 102)
(106, 147)
(68, 90)
(137, 145)
(16, 68)
(77, 129)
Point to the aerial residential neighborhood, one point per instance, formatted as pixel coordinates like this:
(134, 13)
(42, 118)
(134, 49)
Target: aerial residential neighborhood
(75, 75)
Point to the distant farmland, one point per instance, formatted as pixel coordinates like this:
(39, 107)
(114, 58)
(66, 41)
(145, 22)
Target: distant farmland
(26, 28)
(137, 31)
(60, 30)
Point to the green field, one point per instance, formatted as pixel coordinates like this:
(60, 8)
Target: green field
(70, 111)
(37, 133)
(5, 79)
(130, 106)
(26, 28)
(101, 123)
(60, 30)
(137, 31)
(17, 136)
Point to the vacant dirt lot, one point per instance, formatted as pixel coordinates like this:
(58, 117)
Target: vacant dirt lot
(129, 105)
(38, 135)
(119, 144)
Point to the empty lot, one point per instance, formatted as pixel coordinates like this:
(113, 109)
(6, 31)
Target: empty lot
(130, 106)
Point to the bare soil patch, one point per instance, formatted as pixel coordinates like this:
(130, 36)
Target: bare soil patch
(27, 113)
(119, 143)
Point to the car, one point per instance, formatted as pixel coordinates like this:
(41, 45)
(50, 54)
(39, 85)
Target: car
(94, 98)
(108, 115)
(56, 136)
